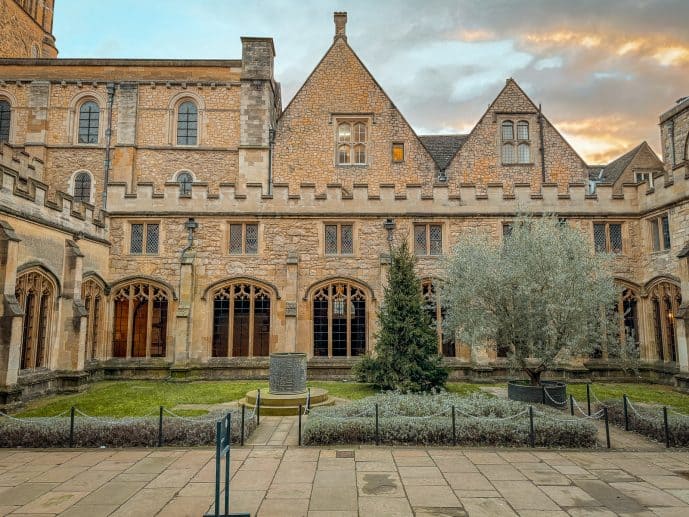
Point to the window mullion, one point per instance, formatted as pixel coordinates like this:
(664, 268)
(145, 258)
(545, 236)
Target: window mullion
(349, 320)
(252, 292)
(230, 323)
(130, 322)
(330, 320)
(149, 321)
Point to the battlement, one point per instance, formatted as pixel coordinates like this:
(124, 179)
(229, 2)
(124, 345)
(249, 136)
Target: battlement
(19, 161)
(27, 198)
(440, 200)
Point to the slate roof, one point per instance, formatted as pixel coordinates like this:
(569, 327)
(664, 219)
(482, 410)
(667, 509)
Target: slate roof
(615, 168)
(443, 147)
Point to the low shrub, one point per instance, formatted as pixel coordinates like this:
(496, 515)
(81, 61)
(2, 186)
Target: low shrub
(648, 421)
(121, 432)
(416, 419)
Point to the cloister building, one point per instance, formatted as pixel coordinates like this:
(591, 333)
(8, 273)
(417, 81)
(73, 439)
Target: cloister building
(172, 219)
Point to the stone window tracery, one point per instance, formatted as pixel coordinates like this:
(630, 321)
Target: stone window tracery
(35, 294)
(666, 299)
(241, 320)
(436, 313)
(515, 148)
(140, 321)
(339, 239)
(94, 300)
(352, 142)
(339, 320)
(428, 239)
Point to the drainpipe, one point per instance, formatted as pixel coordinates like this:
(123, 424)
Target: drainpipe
(540, 133)
(108, 137)
(271, 143)
(672, 141)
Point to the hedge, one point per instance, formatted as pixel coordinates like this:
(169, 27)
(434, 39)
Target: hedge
(122, 432)
(649, 422)
(426, 420)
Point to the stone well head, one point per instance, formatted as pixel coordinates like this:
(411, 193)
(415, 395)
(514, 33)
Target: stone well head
(287, 373)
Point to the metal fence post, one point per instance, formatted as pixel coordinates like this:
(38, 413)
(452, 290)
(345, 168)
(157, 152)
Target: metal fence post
(377, 427)
(299, 441)
(258, 407)
(588, 396)
(71, 427)
(241, 433)
(218, 447)
(228, 444)
(667, 428)
(626, 414)
(571, 404)
(454, 427)
(532, 435)
(607, 426)
(160, 428)
(542, 394)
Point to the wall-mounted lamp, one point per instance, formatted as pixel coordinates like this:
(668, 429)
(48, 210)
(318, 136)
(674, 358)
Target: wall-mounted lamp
(389, 225)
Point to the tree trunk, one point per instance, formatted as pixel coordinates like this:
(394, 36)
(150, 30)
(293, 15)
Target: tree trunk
(534, 376)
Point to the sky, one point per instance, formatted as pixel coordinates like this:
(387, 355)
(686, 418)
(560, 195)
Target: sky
(603, 70)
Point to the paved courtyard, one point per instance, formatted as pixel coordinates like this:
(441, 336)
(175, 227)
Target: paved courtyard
(289, 481)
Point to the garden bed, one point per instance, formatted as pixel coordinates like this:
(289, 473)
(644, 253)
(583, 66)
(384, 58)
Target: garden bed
(427, 420)
(47, 432)
(648, 421)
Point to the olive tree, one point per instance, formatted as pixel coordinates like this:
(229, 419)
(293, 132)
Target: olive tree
(541, 293)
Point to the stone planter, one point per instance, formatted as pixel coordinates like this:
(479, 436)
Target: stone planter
(552, 393)
(287, 373)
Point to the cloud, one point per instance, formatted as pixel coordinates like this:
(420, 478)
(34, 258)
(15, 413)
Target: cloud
(603, 71)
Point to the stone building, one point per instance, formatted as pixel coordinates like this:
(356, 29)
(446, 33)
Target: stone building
(169, 218)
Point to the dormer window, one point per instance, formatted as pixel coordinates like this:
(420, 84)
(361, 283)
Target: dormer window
(352, 142)
(640, 177)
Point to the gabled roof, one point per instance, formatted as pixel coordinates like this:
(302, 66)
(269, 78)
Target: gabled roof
(612, 172)
(443, 147)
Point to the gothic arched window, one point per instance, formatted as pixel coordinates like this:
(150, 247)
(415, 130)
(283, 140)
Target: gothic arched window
(94, 300)
(241, 320)
(339, 320)
(665, 301)
(140, 321)
(35, 293)
(185, 180)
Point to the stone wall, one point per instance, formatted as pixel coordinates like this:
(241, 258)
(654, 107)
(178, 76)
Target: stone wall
(25, 33)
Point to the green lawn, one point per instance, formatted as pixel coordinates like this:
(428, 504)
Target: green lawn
(645, 393)
(138, 398)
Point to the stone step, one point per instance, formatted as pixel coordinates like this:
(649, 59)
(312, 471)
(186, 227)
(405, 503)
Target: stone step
(283, 410)
(318, 395)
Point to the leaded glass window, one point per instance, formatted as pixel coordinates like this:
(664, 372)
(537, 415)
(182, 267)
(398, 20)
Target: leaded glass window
(665, 225)
(339, 320)
(92, 295)
(428, 239)
(660, 232)
(507, 153)
(35, 293)
(5, 120)
(187, 124)
(243, 239)
(82, 187)
(339, 239)
(89, 117)
(607, 237)
(522, 130)
(524, 151)
(241, 320)
(508, 130)
(352, 139)
(145, 237)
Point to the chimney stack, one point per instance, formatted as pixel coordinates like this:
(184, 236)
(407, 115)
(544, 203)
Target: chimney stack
(340, 25)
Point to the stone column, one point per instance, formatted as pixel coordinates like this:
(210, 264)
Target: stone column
(74, 315)
(291, 294)
(183, 320)
(10, 311)
(682, 321)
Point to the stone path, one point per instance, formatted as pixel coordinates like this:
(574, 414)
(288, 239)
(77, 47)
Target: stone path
(288, 481)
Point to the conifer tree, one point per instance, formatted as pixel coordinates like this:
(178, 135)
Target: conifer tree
(406, 353)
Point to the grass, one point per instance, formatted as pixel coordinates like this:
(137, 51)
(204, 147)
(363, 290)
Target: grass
(645, 393)
(139, 398)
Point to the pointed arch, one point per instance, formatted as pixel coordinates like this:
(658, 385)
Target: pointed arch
(369, 290)
(94, 297)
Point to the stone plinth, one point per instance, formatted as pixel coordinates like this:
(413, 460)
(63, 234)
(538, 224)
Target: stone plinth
(287, 373)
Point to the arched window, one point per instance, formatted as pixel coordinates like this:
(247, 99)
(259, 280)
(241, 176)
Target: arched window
(686, 151)
(339, 320)
(35, 293)
(522, 130)
(627, 312)
(82, 187)
(436, 312)
(185, 180)
(241, 320)
(140, 321)
(352, 139)
(524, 152)
(507, 153)
(507, 130)
(5, 120)
(89, 118)
(187, 123)
(94, 300)
(665, 301)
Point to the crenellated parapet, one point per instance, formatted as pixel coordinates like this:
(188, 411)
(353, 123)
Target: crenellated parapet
(361, 199)
(27, 198)
(21, 162)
